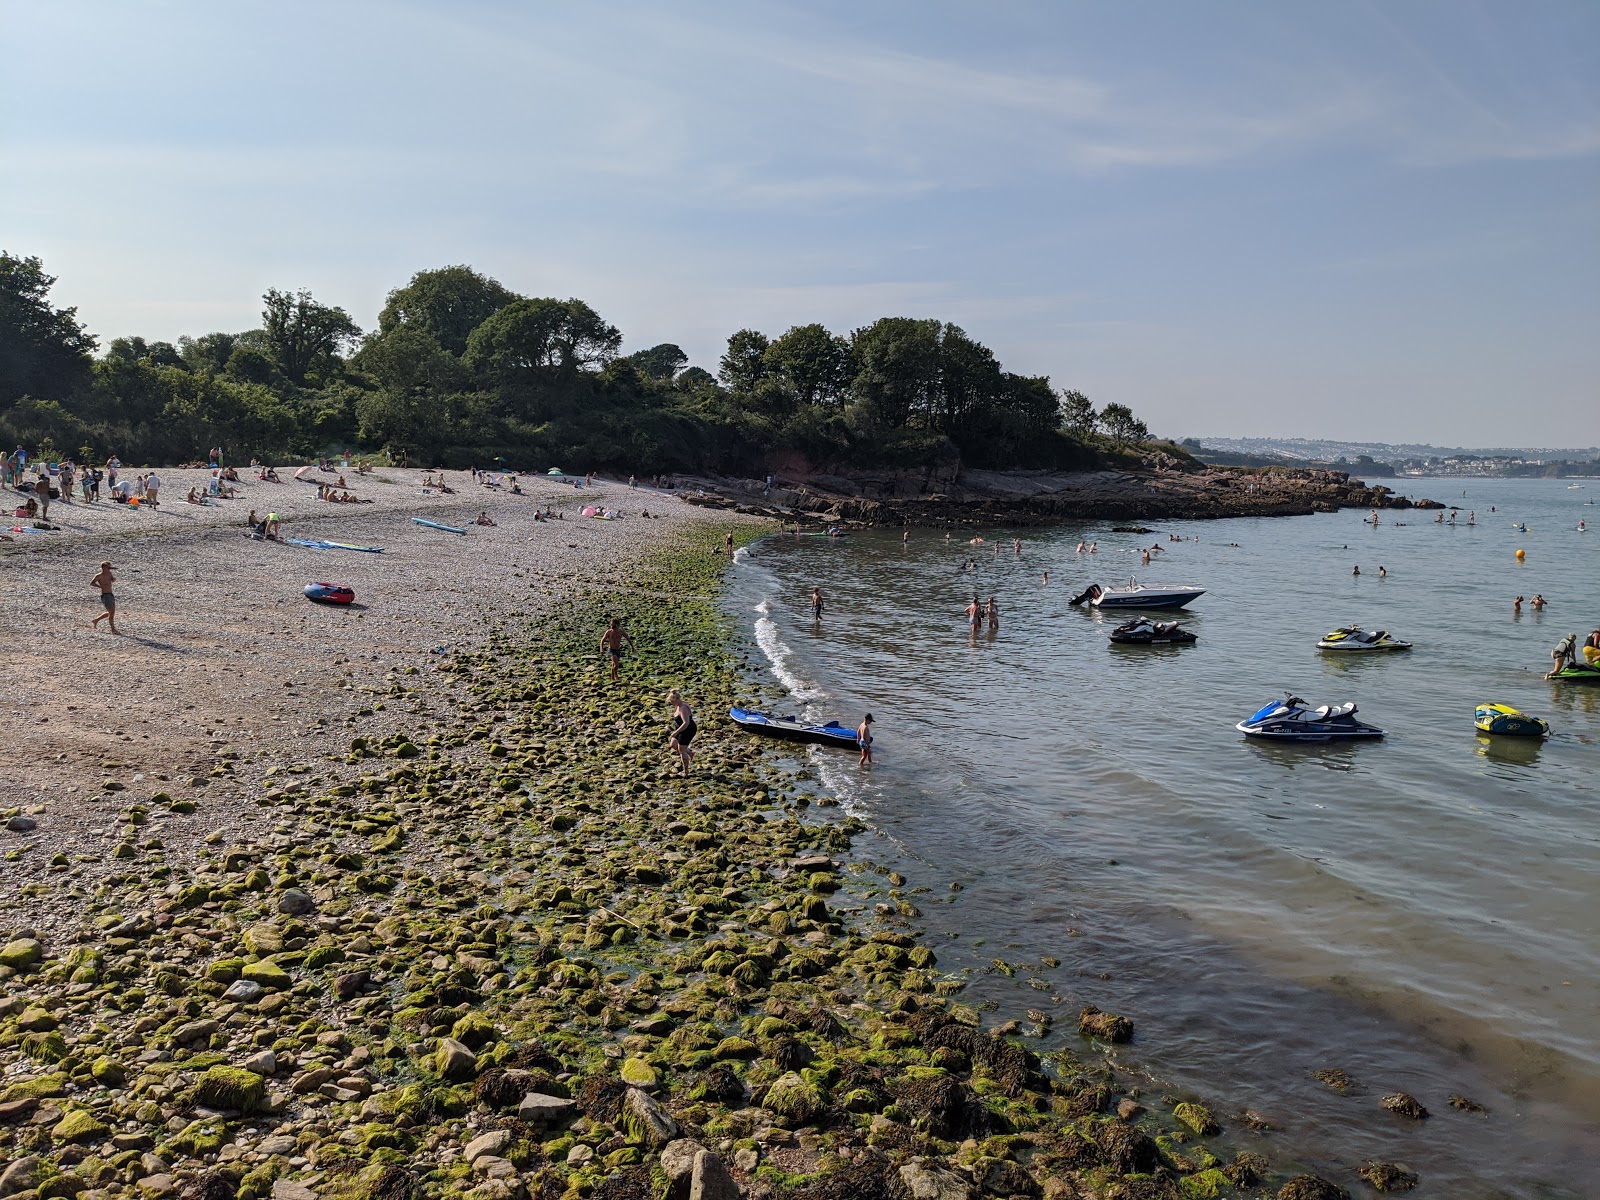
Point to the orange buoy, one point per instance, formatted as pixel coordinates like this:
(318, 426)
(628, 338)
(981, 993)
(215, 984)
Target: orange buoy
(1521, 554)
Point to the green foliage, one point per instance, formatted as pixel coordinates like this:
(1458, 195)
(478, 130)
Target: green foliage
(463, 371)
(44, 351)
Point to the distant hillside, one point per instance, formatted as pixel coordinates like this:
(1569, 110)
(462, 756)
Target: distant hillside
(1383, 459)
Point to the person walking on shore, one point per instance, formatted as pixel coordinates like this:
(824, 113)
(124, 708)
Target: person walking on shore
(864, 740)
(612, 641)
(41, 492)
(683, 732)
(105, 581)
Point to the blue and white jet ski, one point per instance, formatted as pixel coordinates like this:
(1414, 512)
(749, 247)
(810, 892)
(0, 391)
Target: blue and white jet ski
(1293, 720)
(794, 729)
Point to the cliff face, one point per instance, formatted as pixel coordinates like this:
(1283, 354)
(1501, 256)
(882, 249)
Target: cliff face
(953, 497)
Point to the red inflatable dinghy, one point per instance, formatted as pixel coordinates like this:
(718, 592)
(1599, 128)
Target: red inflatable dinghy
(329, 593)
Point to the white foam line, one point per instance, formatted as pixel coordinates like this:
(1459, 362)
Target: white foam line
(778, 654)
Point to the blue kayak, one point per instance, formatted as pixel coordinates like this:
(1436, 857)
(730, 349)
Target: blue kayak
(793, 729)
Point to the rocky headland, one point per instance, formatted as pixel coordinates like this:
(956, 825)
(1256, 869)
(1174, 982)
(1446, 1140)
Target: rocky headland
(1160, 488)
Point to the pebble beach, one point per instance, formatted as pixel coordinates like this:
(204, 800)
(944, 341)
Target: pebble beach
(407, 899)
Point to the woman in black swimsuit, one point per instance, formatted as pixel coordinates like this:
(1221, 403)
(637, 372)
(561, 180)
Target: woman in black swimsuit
(683, 732)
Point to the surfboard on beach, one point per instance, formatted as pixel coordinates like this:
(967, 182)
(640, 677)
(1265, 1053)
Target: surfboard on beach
(320, 544)
(436, 525)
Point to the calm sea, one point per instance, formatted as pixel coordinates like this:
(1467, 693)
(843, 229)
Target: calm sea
(1423, 912)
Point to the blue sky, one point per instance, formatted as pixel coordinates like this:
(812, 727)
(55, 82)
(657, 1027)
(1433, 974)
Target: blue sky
(1371, 220)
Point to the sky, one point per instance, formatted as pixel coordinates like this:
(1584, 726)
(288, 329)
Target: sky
(1367, 219)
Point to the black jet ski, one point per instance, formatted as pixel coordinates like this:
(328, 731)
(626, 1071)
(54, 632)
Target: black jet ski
(794, 729)
(1145, 632)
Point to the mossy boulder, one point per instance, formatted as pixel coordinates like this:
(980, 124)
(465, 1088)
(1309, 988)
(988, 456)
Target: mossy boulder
(795, 1099)
(108, 1071)
(1198, 1118)
(268, 974)
(640, 1074)
(1205, 1185)
(231, 1088)
(21, 954)
(80, 1125)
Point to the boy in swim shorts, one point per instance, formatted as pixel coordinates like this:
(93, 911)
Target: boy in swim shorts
(105, 581)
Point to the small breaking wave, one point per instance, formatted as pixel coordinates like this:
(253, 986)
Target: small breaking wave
(781, 655)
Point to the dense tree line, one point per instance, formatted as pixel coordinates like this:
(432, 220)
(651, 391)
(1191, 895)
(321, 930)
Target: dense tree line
(461, 369)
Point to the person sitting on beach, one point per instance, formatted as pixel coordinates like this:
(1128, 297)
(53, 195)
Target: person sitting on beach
(253, 520)
(483, 519)
(193, 497)
(341, 482)
(1564, 655)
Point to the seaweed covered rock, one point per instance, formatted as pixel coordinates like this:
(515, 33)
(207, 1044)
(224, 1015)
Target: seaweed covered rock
(795, 1099)
(231, 1088)
(1198, 1118)
(1094, 1023)
(645, 1122)
(719, 1084)
(941, 1106)
(1405, 1105)
(1311, 1187)
(1127, 1149)
(600, 1098)
(1388, 1177)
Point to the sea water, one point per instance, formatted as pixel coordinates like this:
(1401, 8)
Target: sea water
(1422, 912)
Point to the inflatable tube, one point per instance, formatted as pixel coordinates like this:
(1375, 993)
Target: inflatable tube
(329, 593)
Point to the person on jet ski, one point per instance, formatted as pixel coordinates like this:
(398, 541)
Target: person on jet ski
(1563, 655)
(1591, 649)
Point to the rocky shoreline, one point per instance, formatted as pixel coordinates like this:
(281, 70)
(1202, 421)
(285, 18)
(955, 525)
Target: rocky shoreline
(1163, 489)
(504, 950)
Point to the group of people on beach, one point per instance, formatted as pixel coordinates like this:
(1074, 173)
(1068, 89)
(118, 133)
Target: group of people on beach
(58, 481)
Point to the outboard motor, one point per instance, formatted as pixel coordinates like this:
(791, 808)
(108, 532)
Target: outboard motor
(1092, 592)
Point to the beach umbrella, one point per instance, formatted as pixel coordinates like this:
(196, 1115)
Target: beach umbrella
(555, 471)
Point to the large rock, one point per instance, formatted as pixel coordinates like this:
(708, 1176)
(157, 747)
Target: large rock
(454, 1060)
(244, 991)
(933, 1181)
(710, 1179)
(21, 954)
(543, 1111)
(268, 974)
(21, 1176)
(231, 1088)
(22, 823)
(646, 1122)
(677, 1164)
(492, 1143)
(295, 903)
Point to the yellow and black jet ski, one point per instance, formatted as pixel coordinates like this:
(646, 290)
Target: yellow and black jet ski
(1352, 639)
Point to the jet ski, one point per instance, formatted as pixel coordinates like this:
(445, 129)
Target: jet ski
(1503, 719)
(1293, 720)
(794, 729)
(1355, 640)
(1145, 632)
(1577, 672)
(1137, 595)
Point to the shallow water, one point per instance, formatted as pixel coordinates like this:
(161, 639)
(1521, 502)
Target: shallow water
(1420, 912)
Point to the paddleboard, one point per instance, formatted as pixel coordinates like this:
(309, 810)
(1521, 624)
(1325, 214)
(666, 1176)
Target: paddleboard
(436, 525)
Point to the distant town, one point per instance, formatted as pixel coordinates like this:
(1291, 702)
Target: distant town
(1384, 460)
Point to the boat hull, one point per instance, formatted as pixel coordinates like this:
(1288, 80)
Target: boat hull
(791, 730)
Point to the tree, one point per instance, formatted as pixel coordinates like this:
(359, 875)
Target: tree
(1077, 413)
(897, 369)
(661, 362)
(44, 351)
(209, 353)
(1121, 425)
(813, 364)
(448, 303)
(549, 339)
(744, 365)
(969, 388)
(301, 333)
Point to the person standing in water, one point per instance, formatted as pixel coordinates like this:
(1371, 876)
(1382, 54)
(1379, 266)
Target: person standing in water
(105, 580)
(683, 732)
(992, 611)
(905, 537)
(864, 740)
(816, 604)
(974, 616)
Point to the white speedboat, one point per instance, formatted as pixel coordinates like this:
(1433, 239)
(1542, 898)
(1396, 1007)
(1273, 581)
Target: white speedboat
(1138, 595)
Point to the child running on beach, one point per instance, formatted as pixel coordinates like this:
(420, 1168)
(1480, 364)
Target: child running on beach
(105, 581)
